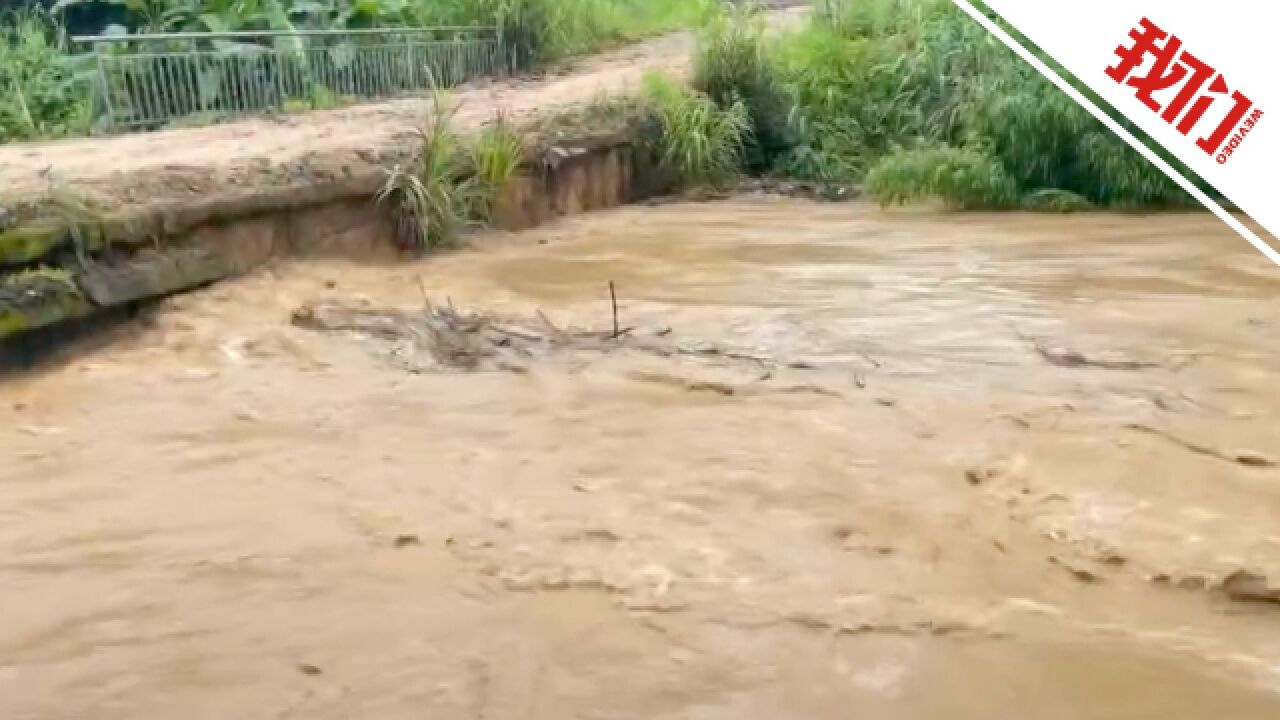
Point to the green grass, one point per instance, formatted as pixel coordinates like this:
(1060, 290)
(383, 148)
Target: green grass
(964, 179)
(432, 198)
(915, 100)
(731, 65)
(701, 143)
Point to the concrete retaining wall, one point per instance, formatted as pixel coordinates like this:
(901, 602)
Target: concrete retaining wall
(50, 273)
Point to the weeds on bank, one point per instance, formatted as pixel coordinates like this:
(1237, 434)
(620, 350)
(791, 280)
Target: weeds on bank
(39, 275)
(69, 210)
(964, 179)
(696, 141)
(451, 185)
(496, 154)
(701, 143)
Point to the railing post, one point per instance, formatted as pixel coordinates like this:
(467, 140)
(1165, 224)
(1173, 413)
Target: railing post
(106, 89)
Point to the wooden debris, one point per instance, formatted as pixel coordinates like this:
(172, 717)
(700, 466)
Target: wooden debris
(1247, 458)
(1066, 357)
(443, 339)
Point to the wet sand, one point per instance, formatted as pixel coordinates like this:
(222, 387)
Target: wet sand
(220, 514)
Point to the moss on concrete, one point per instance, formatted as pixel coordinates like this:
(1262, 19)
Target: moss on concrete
(36, 298)
(30, 242)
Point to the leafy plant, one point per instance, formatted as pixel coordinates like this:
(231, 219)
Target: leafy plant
(44, 92)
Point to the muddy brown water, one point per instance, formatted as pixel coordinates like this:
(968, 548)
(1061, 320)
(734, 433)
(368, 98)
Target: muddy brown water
(220, 514)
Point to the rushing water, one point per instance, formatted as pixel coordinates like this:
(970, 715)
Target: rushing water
(218, 514)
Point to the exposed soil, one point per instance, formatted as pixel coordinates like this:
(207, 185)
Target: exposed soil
(164, 167)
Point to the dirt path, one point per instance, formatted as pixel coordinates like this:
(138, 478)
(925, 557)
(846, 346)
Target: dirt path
(171, 165)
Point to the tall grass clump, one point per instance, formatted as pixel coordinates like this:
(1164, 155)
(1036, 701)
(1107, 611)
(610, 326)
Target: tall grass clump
(700, 142)
(44, 91)
(965, 179)
(432, 198)
(451, 185)
(496, 154)
(541, 30)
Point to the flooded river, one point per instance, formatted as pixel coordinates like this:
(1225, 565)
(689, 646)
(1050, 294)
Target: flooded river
(1000, 471)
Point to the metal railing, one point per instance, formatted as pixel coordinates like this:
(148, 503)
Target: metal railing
(149, 80)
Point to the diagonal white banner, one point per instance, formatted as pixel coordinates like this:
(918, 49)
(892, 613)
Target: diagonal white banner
(1199, 82)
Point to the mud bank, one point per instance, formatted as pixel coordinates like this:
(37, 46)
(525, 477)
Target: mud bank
(58, 268)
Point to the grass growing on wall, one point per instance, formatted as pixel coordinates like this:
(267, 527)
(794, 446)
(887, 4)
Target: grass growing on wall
(496, 154)
(452, 182)
(45, 89)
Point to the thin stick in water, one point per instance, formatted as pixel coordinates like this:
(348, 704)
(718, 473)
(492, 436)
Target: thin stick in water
(613, 301)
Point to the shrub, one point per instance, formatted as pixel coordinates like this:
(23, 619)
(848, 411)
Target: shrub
(44, 92)
(700, 142)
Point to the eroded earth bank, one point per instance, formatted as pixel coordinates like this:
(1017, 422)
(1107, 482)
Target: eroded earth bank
(879, 465)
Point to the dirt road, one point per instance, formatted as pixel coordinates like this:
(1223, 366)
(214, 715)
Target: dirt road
(170, 165)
